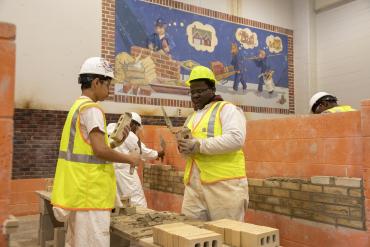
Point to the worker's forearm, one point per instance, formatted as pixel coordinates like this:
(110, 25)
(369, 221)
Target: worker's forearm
(222, 144)
(111, 155)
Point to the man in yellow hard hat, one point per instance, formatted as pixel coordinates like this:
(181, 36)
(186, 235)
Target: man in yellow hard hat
(215, 180)
(323, 102)
(84, 185)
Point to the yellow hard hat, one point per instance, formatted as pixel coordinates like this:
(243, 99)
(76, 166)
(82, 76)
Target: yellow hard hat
(201, 72)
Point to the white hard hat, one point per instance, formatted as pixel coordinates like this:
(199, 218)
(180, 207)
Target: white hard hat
(110, 128)
(98, 66)
(136, 117)
(316, 97)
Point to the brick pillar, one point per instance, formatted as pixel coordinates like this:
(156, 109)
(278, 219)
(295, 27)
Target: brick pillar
(7, 73)
(365, 129)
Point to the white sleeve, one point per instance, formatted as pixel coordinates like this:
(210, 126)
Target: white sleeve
(91, 118)
(147, 153)
(233, 132)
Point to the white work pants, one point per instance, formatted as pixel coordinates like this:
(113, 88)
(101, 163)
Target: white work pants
(129, 185)
(222, 200)
(85, 228)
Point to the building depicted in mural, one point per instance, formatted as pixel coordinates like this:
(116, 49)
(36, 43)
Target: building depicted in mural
(201, 37)
(157, 63)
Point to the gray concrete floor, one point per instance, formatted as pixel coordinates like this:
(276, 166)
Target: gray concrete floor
(27, 233)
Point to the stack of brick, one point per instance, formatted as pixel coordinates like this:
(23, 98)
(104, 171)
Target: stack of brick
(163, 178)
(240, 234)
(183, 235)
(165, 67)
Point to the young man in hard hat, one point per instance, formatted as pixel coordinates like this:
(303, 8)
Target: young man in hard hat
(130, 184)
(323, 102)
(215, 180)
(84, 185)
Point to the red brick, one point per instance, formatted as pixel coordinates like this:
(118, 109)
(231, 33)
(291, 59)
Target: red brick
(7, 31)
(343, 150)
(7, 73)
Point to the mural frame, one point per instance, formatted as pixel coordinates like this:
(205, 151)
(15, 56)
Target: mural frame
(108, 52)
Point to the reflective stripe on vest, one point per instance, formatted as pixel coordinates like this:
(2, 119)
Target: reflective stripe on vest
(341, 108)
(211, 123)
(69, 155)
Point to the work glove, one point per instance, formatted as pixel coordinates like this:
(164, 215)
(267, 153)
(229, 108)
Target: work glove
(189, 146)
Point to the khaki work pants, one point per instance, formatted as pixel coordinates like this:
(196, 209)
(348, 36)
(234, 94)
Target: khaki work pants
(222, 200)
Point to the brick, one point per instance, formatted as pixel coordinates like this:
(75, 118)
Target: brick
(300, 195)
(256, 198)
(7, 31)
(264, 206)
(263, 191)
(282, 210)
(323, 180)
(324, 198)
(355, 192)
(271, 183)
(255, 182)
(324, 218)
(348, 182)
(350, 201)
(280, 192)
(356, 212)
(336, 190)
(311, 188)
(337, 210)
(301, 213)
(290, 185)
(351, 223)
(272, 200)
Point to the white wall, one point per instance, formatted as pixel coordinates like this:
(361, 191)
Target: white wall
(53, 39)
(343, 51)
(276, 12)
(304, 54)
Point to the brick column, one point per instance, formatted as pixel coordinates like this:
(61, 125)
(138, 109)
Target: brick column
(365, 129)
(7, 73)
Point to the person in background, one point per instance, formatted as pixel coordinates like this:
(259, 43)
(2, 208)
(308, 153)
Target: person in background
(84, 185)
(130, 184)
(215, 180)
(323, 102)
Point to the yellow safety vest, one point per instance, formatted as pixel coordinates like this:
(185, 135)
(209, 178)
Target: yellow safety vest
(341, 108)
(82, 180)
(213, 168)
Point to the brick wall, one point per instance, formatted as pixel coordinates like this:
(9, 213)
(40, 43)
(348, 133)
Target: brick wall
(165, 67)
(337, 201)
(7, 74)
(37, 137)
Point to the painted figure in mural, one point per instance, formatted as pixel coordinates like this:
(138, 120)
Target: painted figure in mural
(160, 40)
(261, 62)
(236, 61)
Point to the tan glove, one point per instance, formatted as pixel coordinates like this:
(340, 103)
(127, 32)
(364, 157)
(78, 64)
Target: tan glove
(189, 146)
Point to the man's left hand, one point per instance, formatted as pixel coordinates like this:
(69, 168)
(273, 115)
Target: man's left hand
(189, 146)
